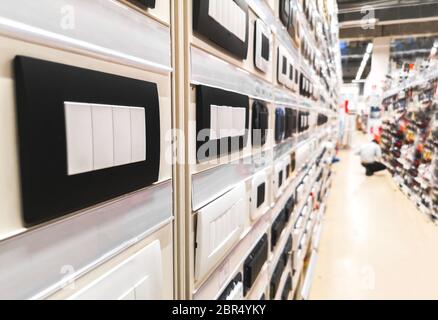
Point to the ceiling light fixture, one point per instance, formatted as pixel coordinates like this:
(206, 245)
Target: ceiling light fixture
(364, 62)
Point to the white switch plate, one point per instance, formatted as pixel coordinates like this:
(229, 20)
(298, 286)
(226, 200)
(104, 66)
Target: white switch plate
(102, 136)
(262, 30)
(219, 226)
(139, 277)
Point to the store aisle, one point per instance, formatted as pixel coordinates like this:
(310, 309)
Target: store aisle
(375, 244)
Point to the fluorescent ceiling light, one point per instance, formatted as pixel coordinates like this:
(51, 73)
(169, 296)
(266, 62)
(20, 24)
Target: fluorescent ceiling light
(364, 62)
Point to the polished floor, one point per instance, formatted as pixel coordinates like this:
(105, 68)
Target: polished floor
(375, 243)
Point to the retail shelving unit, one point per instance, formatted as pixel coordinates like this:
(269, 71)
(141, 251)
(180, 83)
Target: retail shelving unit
(104, 200)
(266, 256)
(409, 138)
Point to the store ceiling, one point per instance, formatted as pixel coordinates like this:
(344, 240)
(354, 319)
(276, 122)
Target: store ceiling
(369, 19)
(413, 23)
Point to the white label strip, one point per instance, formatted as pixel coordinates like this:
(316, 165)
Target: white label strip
(103, 136)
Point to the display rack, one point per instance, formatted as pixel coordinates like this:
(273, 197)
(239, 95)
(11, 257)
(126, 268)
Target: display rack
(408, 138)
(93, 243)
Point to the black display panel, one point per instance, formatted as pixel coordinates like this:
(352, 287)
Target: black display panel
(219, 34)
(260, 123)
(208, 148)
(277, 227)
(254, 263)
(276, 277)
(42, 88)
(261, 194)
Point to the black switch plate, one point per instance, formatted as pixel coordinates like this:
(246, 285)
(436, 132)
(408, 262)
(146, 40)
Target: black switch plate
(207, 149)
(254, 263)
(205, 25)
(260, 123)
(42, 87)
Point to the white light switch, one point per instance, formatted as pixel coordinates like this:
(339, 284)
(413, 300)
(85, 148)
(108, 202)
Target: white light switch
(138, 134)
(122, 135)
(102, 136)
(224, 121)
(239, 120)
(219, 227)
(79, 137)
(103, 143)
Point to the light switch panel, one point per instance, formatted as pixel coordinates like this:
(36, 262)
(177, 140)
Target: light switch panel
(224, 22)
(262, 46)
(225, 116)
(254, 263)
(283, 66)
(75, 137)
(219, 226)
(79, 134)
(139, 277)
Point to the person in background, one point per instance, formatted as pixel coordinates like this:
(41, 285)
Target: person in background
(370, 157)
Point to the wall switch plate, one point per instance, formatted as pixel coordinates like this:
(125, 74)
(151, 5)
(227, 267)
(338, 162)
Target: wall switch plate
(56, 104)
(262, 46)
(219, 227)
(134, 279)
(224, 22)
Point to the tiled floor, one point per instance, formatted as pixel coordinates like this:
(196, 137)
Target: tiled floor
(375, 244)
